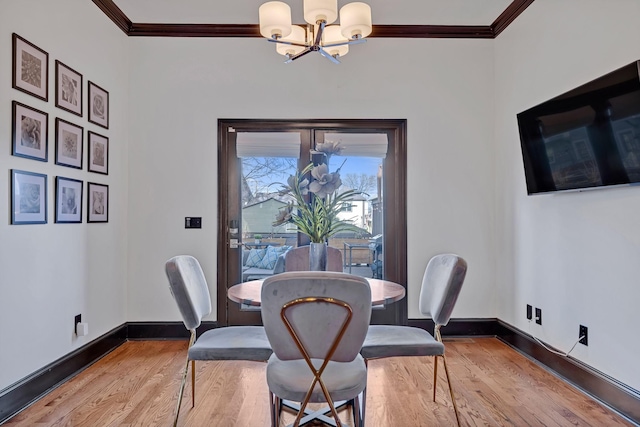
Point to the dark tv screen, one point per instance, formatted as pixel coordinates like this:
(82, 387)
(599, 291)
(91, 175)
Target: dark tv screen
(585, 138)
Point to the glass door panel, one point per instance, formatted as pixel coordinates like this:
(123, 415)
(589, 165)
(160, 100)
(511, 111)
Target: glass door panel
(360, 158)
(254, 164)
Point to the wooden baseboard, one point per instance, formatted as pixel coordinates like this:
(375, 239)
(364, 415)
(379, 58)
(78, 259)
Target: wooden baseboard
(617, 396)
(20, 395)
(460, 327)
(163, 330)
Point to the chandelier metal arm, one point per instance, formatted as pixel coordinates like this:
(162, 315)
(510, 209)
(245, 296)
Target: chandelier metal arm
(321, 24)
(288, 42)
(328, 56)
(354, 41)
(294, 57)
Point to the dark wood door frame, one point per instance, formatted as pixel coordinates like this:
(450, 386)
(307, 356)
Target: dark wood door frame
(394, 191)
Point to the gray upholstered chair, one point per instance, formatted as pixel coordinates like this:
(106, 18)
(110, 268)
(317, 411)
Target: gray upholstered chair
(297, 259)
(316, 323)
(189, 288)
(441, 285)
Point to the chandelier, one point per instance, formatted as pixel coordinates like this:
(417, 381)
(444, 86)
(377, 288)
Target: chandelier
(331, 41)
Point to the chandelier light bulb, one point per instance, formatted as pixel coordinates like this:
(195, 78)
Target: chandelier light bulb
(355, 20)
(320, 10)
(332, 35)
(275, 19)
(298, 35)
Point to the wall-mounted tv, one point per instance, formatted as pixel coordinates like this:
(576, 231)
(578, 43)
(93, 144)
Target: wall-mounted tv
(585, 138)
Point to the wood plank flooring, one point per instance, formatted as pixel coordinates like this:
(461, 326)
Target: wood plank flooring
(137, 385)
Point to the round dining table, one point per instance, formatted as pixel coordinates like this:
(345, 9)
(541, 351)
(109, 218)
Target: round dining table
(383, 292)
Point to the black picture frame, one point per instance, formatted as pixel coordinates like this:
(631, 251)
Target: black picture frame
(97, 202)
(98, 105)
(68, 200)
(98, 149)
(68, 89)
(30, 132)
(30, 67)
(28, 197)
(69, 144)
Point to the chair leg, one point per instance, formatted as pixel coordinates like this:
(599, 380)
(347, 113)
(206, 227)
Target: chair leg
(276, 408)
(193, 383)
(453, 398)
(435, 376)
(358, 410)
(184, 380)
(278, 411)
(364, 392)
(272, 409)
(275, 404)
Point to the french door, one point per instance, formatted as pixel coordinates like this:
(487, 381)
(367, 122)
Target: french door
(255, 157)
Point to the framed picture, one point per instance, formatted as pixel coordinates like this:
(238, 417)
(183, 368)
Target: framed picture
(98, 105)
(68, 144)
(68, 200)
(98, 153)
(68, 89)
(97, 202)
(28, 197)
(30, 132)
(30, 68)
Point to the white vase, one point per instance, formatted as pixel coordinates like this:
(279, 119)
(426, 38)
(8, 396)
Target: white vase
(317, 256)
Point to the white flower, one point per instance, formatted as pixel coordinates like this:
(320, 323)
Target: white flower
(324, 183)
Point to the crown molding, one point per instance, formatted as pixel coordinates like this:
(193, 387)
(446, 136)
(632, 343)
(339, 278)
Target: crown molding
(133, 29)
(114, 13)
(194, 30)
(509, 15)
(432, 31)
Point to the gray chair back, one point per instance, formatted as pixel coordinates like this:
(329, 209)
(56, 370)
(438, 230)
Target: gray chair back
(316, 323)
(189, 288)
(441, 285)
(297, 259)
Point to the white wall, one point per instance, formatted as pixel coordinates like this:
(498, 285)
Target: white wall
(575, 255)
(181, 87)
(572, 254)
(52, 272)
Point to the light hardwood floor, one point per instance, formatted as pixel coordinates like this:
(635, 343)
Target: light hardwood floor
(137, 385)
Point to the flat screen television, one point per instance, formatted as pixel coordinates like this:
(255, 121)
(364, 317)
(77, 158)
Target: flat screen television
(588, 137)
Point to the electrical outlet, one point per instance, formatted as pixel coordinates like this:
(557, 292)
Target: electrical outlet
(193, 222)
(529, 312)
(539, 316)
(78, 319)
(583, 334)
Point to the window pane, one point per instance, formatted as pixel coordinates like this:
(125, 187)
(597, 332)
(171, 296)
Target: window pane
(361, 249)
(263, 177)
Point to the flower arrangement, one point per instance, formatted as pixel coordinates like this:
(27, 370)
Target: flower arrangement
(316, 200)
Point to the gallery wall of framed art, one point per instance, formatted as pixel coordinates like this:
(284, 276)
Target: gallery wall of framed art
(75, 126)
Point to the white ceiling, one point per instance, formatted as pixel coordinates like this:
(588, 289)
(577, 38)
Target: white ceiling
(388, 12)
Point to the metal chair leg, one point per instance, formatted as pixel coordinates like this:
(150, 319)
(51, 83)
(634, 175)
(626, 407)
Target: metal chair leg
(272, 409)
(184, 380)
(435, 376)
(364, 392)
(358, 410)
(193, 383)
(278, 406)
(453, 398)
